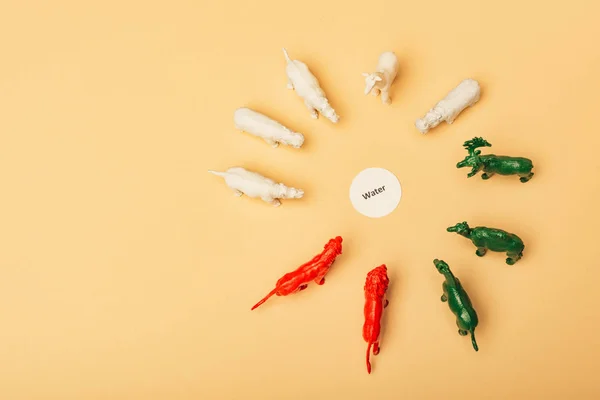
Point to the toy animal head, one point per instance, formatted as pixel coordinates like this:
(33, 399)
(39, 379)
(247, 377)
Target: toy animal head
(336, 244)
(472, 160)
(322, 104)
(284, 192)
(441, 266)
(462, 228)
(371, 80)
(330, 114)
(296, 140)
(377, 279)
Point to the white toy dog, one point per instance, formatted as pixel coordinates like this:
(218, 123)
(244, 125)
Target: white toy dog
(306, 86)
(466, 94)
(253, 184)
(383, 77)
(271, 131)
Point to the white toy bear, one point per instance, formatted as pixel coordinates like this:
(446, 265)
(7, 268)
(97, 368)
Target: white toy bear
(306, 86)
(379, 82)
(252, 184)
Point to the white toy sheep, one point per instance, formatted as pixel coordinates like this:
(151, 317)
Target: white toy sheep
(306, 86)
(383, 77)
(271, 131)
(466, 94)
(252, 184)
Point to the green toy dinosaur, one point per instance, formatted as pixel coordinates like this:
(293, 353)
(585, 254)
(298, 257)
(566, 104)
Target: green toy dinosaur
(491, 239)
(458, 301)
(493, 164)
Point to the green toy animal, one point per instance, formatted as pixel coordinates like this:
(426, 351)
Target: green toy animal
(493, 164)
(491, 239)
(458, 301)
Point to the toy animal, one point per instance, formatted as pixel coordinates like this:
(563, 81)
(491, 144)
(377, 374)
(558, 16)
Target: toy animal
(313, 270)
(458, 301)
(379, 82)
(375, 301)
(252, 184)
(466, 94)
(271, 131)
(306, 85)
(491, 239)
(493, 164)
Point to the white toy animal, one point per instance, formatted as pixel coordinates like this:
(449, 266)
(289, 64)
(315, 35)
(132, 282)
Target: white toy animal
(271, 131)
(306, 86)
(252, 184)
(466, 94)
(383, 77)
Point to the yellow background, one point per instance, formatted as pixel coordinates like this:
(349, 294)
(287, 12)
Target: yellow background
(128, 272)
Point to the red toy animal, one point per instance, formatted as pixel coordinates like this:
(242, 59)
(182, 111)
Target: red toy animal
(375, 301)
(314, 270)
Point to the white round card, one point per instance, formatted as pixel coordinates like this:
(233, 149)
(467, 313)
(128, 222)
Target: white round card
(375, 192)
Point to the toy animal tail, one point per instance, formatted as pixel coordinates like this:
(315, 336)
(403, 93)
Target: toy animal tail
(271, 293)
(217, 173)
(368, 357)
(473, 340)
(287, 56)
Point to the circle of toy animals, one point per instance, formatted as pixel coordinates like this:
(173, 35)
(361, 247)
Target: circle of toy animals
(252, 184)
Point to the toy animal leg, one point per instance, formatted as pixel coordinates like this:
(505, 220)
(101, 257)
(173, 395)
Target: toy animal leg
(513, 258)
(302, 287)
(387, 302)
(444, 298)
(375, 91)
(320, 279)
(526, 178)
(385, 97)
(273, 202)
(462, 332)
(376, 348)
(238, 193)
(313, 112)
(487, 175)
(271, 142)
(481, 251)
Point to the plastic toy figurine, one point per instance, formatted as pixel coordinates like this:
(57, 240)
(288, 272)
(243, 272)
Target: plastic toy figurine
(383, 77)
(493, 164)
(458, 301)
(252, 184)
(466, 94)
(491, 239)
(306, 85)
(313, 270)
(375, 301)
(271, 131)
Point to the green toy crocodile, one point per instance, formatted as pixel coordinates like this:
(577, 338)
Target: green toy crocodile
(491, 239)
(458, 301)
(493, 164)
